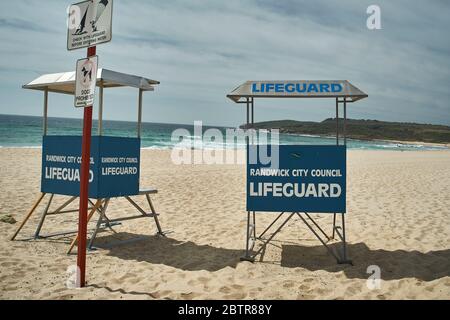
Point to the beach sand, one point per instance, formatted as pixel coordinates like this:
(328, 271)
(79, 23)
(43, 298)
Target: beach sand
(398, 211)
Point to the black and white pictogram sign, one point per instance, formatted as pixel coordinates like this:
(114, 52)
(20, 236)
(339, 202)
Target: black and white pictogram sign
(89, 24)
(85, 81)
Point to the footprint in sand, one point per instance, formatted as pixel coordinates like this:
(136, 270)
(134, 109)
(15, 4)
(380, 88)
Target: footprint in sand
(224, 289)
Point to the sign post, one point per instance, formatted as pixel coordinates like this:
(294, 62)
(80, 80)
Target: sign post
(84, 187)
(89, 24)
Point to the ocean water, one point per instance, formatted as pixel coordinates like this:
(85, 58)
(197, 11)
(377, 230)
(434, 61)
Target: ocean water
(26, 131)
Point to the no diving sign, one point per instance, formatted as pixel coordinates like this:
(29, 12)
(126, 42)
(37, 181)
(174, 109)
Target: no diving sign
(85, 80)
(89, 23)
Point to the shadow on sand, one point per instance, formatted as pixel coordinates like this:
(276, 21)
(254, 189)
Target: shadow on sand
(394, 265)
(164, 250)
(188, 256)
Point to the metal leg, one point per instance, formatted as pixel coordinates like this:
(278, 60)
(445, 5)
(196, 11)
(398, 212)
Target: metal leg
(273, 234)
(44, 214)
(136, 205)
(94, 208)
(254, 226)
(318, 227)
(65, 204)
(247, 256)
(270, 225)
(334, 225)
(337, 121)
(99, 222)
(344, 243)
(318, 237)
(155, 216)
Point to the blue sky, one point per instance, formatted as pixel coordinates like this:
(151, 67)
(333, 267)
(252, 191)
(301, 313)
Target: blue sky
(201, 50)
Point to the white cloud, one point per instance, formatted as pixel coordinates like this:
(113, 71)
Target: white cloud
(200, 50)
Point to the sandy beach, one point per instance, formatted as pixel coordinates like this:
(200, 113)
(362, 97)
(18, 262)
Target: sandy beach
(398, 207)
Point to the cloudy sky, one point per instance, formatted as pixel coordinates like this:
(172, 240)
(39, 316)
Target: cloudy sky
(201, 50)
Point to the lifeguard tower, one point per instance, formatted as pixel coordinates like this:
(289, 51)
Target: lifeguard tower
(283, 197)
(115, 161)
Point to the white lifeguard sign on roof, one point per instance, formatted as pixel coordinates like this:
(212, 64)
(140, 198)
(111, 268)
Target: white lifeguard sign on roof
(89, 24)
(297, 89)
(64, 82)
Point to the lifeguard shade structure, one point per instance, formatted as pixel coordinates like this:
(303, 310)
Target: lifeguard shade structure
(343, 92)
(102, 187)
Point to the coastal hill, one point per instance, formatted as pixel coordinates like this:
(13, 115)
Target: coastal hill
(364, 129)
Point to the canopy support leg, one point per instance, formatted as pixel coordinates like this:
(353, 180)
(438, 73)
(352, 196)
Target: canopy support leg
(139, 124)
(45, 120)
(345, 121)
(100, 110)
(247, 256)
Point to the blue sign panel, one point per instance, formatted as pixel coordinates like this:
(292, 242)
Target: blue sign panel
(114, 167)
(307, 179)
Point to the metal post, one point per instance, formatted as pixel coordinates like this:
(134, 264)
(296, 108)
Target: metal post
(334, 225)
(99, 222)
(318, 237)
(155, 215)
(337, 143)
(248, 112)
(45, 121)
(252, 125)
(253, 112)
(84, 188)
(247, 254)
(274, 234)
(344, 239)
(270, 225)
(345, 143)
(345, 121)
(139, 114)
(337, 121)
(100, 110)
(44, 214)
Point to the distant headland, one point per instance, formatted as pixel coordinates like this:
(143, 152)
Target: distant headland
(364, 129)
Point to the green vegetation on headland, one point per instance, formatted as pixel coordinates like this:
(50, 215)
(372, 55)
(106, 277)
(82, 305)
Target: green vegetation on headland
(363, 129)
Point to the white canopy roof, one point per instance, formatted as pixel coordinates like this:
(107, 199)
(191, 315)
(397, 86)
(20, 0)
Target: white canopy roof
(297, 89)
(64, 82)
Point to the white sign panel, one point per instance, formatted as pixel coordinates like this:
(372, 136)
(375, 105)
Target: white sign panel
(85, 80)
(89, 23)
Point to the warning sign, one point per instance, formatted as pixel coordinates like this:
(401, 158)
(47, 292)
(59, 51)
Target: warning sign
(89, 23)
(85, 80)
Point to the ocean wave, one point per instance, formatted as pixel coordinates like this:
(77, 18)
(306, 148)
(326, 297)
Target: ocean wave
(21, 147)
(156, 148)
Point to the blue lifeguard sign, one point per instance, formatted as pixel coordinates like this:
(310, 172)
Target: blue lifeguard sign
(114, 162)
(308, 179)
(114, 167)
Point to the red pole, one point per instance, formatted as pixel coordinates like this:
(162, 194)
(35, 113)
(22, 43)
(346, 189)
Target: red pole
(84, 187)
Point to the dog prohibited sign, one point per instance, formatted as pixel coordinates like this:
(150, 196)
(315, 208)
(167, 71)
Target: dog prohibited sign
(89, 24)
(85, 80)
